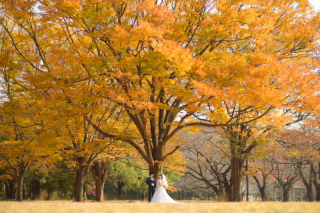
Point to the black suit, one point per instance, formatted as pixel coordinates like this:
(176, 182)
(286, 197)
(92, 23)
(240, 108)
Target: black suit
(151, 188)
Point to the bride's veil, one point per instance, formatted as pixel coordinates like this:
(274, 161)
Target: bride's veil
(165, 180)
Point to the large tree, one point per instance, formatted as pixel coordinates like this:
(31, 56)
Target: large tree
(24, 131)
(262, 81)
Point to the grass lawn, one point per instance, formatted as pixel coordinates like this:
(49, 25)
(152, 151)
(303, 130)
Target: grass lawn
(144, 207)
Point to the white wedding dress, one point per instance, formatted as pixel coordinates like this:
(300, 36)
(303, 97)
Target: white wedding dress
(161, 195)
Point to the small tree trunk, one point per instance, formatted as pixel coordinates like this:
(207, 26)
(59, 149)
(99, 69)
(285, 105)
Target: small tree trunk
(262, 187)
(85, 192)
(10, 192)
(20, 189)
(48, 195)
(20, 172)
(228, 193)
(221, 195)
(142, 196)
(36, 189)
(79, 183)
(24, 192)
(107, 195)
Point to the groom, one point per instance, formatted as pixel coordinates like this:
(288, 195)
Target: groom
(152, 185)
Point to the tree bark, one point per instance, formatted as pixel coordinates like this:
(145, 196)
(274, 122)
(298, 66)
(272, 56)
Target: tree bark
(10, 190)
(227, 189)
(156, 170)
(20, 189)
(84, 192)
(120, 190)
(317, 187)
(262, 188)
(99, 191)
(99, 174)
(285, 194)
(221, 195)
(262, 191)
(20, 171)
(310, 193)
(20, 176)
(236, 177)
(81, 175)
(286, 187)
(308, 183)
(36, 189)
(154, 127)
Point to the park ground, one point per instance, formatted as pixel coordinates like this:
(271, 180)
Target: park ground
(144, 207)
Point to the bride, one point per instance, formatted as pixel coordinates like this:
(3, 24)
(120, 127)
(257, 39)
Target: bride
(161, 195)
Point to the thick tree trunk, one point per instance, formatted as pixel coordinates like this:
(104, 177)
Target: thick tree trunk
(20, 172)
(20, 189)
(99, 191)
(236, 189)
(156, 169)
(262, 191)
(318, 195)
(79, 183)
(317, 187)
(120, 190)
(263, 195)
(221, 193)
(285, 194)
(236, 178)
(310, 192)
(99, 174)
(308, 183)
